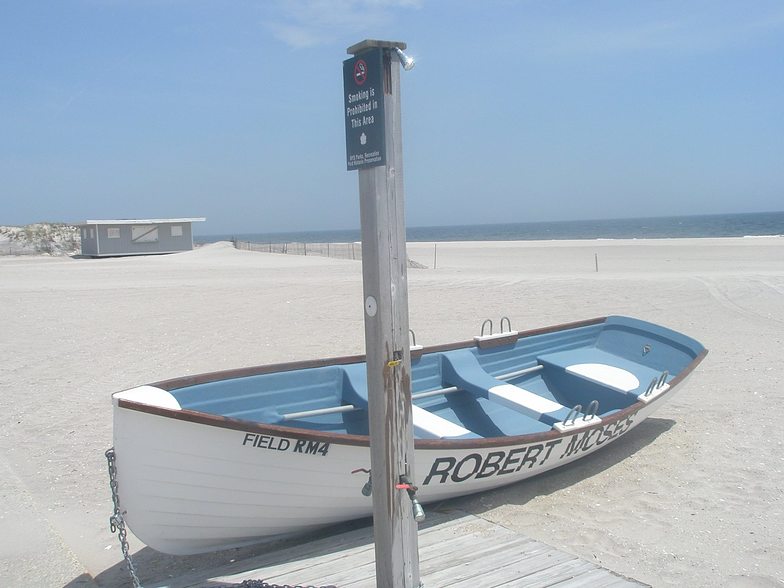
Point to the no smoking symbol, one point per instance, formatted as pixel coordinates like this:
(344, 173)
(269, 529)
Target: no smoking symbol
(360, 72)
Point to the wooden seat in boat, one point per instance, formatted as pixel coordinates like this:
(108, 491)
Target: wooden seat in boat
(431, 426)
(607, 375)
(605, 369)
(523, 400)
(462, 369)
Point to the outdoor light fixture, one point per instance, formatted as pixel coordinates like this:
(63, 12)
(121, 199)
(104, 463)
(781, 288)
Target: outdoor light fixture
(406, 61)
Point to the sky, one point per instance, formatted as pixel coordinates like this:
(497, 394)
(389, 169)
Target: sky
(516, 111)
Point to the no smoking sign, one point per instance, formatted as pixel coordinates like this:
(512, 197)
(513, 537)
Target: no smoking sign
(360, 71)
(363, 94)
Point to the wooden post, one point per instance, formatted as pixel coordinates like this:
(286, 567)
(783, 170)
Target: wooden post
(384, 278)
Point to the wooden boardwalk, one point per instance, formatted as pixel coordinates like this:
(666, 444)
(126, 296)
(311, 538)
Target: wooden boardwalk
(455, 550)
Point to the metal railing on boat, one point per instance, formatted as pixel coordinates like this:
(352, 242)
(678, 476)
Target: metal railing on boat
(292, 416)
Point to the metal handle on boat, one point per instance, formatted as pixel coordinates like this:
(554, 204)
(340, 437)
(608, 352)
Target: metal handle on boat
(593, 408)
(657, 383)
(413, 337)
(482, 331)
(574, 413)
(508, 324)
(651, 387)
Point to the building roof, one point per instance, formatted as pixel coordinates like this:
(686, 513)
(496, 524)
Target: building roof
(143, 221)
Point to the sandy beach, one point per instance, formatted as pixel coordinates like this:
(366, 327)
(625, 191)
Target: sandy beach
(692, 497)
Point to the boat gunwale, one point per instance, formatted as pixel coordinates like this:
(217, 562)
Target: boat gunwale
(203, 418)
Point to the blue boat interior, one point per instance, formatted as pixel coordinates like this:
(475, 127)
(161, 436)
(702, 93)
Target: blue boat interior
(525, 387)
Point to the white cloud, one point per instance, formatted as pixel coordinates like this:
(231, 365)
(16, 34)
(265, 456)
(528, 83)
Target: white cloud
(308, 23)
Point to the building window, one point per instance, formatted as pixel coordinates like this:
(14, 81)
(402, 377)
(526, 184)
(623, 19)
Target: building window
(144, 233)
(92, 233)
(176, 230)
(113, 232)
(84, 233)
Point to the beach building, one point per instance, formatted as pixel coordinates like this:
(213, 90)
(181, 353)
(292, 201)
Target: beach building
(106, 238)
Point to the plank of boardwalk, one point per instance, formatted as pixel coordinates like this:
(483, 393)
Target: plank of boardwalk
(597, 577)
(509, 568)
(456, 550)
(555, 574)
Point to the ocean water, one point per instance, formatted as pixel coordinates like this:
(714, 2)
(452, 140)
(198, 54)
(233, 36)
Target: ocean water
(715, 225)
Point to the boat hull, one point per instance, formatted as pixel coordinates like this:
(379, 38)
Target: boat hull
(191, 482)
(191, 488)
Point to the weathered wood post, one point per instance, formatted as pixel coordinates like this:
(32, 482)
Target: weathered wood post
(373, 146)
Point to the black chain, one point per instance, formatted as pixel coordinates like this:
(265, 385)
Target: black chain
(117, 522)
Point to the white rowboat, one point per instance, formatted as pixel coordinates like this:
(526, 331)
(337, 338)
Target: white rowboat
(226, 459)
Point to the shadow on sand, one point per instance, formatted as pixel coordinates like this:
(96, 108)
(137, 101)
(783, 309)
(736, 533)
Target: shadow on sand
(158, 569)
